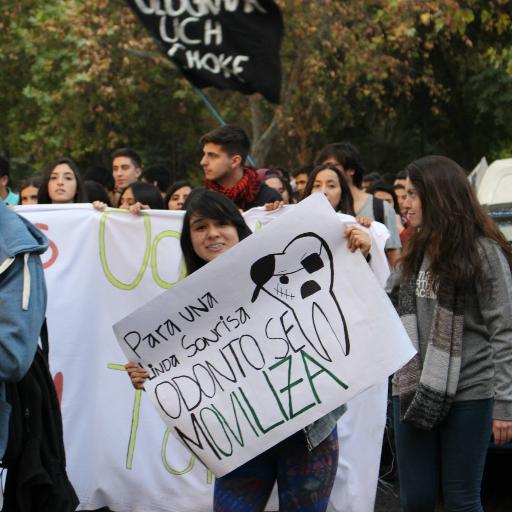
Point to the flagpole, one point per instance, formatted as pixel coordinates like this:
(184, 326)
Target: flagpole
(216, 114)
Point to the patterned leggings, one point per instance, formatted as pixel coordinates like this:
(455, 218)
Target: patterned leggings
(304, 478)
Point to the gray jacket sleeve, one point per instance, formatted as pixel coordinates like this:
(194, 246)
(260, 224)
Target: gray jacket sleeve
(393, 242)
(495, 300)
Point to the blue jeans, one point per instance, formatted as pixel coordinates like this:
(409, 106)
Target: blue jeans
(452, 455)
(304, 478)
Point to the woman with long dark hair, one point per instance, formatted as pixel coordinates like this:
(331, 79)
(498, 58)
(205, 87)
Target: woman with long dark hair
(177, 195)
(29, 190)
(357, 472)
(204, 210)
(62, 184)
(304, 465)
(142, 196)
(453, 292)
(327, 178)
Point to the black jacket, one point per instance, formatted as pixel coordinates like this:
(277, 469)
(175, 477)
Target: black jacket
(265, 195)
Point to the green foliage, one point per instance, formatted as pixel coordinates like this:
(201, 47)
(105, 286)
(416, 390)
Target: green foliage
(91, 80)
(400, 78)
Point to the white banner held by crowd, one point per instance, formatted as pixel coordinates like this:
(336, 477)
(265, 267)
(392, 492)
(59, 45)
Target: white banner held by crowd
(266, 339)
(101, 267)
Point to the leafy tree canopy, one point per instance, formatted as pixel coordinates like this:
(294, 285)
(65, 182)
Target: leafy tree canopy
(400, 78)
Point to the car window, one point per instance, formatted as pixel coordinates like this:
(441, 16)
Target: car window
(506, 227)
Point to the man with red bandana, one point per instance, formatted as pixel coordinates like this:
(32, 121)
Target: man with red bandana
(225, 150)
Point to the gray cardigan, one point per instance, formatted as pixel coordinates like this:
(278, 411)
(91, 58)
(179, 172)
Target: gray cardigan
(486, 368)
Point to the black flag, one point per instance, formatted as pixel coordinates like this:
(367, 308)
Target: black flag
(230, 44)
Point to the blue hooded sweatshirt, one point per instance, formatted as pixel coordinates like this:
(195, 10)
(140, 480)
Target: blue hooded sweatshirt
(22, 303)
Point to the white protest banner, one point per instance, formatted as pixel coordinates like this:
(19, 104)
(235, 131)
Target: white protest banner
(99, 268)
(267, 338)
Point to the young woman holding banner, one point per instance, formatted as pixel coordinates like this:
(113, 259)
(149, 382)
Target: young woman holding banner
(453, 291)
(62, 184)
(361, 428)
(141, 195)
(304, 465)
(327, 178)
(136, 197)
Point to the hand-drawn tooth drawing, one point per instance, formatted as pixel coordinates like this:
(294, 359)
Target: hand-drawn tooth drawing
(304, 272)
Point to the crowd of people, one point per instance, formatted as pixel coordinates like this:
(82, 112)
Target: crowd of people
(450, 283)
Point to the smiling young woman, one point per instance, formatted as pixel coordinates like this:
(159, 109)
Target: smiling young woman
(453, 291)
(304, 465)
(212, 224)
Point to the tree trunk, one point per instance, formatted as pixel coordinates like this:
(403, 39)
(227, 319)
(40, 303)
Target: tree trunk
(262, 135)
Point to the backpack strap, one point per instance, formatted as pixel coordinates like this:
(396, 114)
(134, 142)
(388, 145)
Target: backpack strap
(378, 209)
(44, 340)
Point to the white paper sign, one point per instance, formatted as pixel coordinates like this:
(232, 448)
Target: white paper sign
(265, 339)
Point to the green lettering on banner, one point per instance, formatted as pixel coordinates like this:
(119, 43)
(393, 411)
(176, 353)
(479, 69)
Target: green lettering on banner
(113, 280)
(156, 276)
(263, 429)
(214, 441)
(239, 438)
(135, 418)
(274, 392)
(288, 388)
(311, 377)
(133, 437)
(166, 464)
